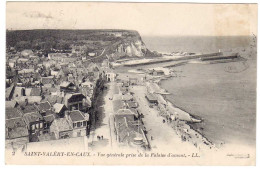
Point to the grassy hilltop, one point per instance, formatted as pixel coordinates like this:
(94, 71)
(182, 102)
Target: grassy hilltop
(119, 43)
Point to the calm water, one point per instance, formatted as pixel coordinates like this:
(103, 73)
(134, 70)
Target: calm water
(195, 43)
(226, 101)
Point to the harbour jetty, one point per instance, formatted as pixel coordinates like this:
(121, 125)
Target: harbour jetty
(180, 60)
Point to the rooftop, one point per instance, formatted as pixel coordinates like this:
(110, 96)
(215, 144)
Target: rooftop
(35, 92)
(10, 104)
(12, 113)
(15, 122)
(17, 132)
(30, 108)
(32, 117)
(62, 124)
(44, 106)
(58, 107)
(47, 80)
(77, 115)
(66, 84)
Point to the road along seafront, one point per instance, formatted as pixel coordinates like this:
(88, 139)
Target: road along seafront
(167, 125)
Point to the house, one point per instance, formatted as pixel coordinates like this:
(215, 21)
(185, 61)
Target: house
(34, 122)
(67, 86)
(19, 92)
(151, 98)
(54, 99)
(126, 97)
(110, 76)
(54, 73)
(43, 107)
(11, 113)
(11, 104)
(49, 116)
(79, 122)
(74, 101)
(59, 109)
(57, 56)
(62, 128)
(16, 133)
(47, 81)
(105, 64)
(9, 92)
(23, 100)
(35, 92)
(71, 78)
(128, 129)
(88, 84)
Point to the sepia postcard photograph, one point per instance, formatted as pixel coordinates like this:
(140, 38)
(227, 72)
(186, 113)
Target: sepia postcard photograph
(130, 83)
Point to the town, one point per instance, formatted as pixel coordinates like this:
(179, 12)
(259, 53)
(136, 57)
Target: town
(63, 97)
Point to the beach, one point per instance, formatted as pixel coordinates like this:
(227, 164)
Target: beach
(225, 101)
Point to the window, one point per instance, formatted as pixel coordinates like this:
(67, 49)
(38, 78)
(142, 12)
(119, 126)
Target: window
(84, 123)
(74, 125)
(78, 124)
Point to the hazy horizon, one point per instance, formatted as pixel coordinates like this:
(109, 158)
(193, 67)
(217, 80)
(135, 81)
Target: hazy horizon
(176, 19)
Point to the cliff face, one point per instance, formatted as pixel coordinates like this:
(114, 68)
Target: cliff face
(113, 43)
(133, 48)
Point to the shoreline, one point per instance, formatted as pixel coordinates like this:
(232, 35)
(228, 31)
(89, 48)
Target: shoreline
(193, 119)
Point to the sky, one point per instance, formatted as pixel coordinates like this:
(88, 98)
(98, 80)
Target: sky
(149, 19)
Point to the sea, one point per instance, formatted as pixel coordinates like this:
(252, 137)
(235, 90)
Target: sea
(222, 94)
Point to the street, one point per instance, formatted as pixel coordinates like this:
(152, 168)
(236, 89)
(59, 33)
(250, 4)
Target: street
(164, 137)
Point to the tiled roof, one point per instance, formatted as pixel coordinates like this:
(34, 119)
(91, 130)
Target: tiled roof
(12, 113)
(47, 80)
(77, 115)
(62, 124)
(32, 117)
(35, 92)
(15, 122)
(31, 99)
(17, 132)
(10, 104)
(30, 109)
(44, 106)
(73, 95)
(54, 99)
(49, 118)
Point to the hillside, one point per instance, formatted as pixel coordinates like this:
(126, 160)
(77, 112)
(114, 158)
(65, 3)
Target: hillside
(113, 43)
